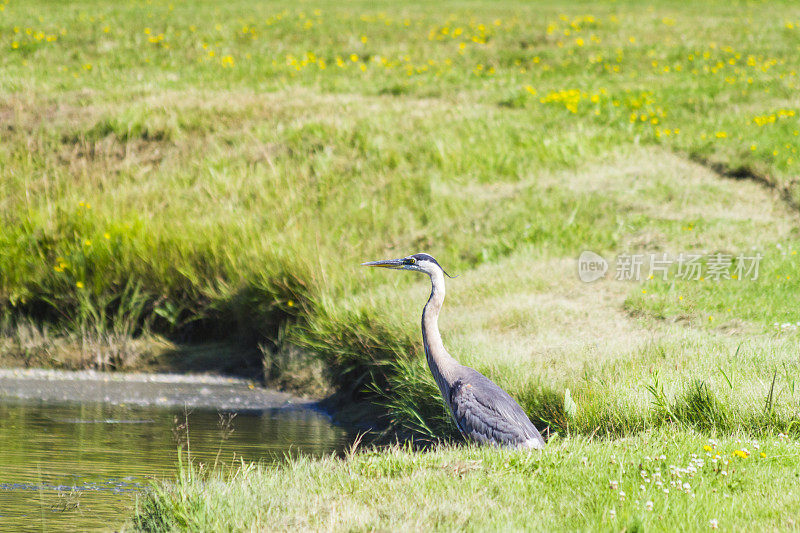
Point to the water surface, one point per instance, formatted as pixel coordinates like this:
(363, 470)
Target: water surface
(78, 465)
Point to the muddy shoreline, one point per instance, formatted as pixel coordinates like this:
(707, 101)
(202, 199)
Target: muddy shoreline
(202, 391)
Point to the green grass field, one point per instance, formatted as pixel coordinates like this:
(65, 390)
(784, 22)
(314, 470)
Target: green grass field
(174, 174)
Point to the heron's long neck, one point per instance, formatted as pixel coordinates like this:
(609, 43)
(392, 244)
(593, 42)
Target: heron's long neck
(440, 362)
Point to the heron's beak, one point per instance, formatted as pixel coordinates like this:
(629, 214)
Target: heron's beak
(388, 263)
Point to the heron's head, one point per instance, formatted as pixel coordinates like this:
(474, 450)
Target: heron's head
(419, 262)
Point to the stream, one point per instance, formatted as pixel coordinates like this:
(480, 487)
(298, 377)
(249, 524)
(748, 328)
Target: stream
(76, 448)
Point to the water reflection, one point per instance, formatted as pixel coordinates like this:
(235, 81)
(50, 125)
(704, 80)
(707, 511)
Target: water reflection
(78, 467)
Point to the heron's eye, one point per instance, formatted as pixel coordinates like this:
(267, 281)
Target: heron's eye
(411, 261)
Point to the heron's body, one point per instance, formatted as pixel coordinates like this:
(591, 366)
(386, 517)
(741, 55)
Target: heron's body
(482, 411)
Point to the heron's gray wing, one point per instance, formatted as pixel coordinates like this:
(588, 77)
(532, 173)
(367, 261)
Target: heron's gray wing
(486, 413)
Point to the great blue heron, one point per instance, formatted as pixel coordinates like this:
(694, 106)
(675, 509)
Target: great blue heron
(482, 411)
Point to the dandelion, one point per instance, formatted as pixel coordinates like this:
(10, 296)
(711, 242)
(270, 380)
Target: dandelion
(79, 284)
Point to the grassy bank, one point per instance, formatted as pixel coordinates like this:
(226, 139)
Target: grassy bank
(653, 481)
(177, 174)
